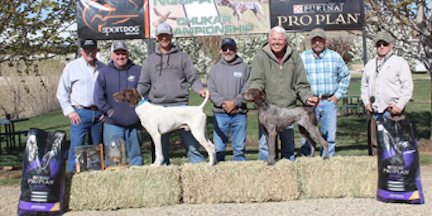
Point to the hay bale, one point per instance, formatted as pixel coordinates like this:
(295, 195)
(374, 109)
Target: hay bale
(133, 187)
(249, 181)
(337, 177)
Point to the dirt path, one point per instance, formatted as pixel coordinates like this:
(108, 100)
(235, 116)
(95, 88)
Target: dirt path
(9, 196)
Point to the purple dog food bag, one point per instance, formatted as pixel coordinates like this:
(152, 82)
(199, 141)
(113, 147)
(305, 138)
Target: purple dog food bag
(42, 181)
(398, 163)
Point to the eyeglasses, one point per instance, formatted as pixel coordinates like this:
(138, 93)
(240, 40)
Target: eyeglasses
(379, 44)
(228, 48)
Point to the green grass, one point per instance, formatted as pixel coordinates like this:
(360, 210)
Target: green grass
(351, 132)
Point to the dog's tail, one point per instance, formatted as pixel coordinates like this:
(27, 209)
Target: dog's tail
(205, 100)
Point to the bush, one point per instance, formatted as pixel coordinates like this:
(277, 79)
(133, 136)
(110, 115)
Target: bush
(28, 89)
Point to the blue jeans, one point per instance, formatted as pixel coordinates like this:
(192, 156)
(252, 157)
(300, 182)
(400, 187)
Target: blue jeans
(223, 123)
(326, 112)
(133, 138)
(189, 143)
(287, 143)
(91, 124)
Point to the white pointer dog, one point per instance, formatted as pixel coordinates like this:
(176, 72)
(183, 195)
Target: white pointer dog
(158, 120)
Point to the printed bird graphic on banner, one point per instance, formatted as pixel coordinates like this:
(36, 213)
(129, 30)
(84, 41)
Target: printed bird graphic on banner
(162, 18)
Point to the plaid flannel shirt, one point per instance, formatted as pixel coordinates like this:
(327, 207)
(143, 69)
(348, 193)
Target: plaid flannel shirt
(327, 73)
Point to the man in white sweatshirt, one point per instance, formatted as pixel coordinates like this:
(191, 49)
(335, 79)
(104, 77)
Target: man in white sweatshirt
(386, 85)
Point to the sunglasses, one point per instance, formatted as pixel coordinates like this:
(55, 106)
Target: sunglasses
(228, 48)
(379, 44)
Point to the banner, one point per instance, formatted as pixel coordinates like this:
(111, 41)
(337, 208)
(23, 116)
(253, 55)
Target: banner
(112, 19)
(210, 17)
(300, 15)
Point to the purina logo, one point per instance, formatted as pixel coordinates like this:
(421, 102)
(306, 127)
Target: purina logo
(110, 16)
(318, 8)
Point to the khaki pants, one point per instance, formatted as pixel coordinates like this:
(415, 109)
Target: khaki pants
(373, 128)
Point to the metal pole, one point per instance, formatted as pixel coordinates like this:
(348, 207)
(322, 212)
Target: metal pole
(364, 47)
(150, 46)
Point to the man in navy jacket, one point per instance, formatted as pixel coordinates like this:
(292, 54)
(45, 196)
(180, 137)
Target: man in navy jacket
(121, 120)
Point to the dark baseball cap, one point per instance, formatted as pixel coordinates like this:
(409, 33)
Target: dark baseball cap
(318, 32)
(88, 43)
(228, 41)
(118, 45)
(384, 36)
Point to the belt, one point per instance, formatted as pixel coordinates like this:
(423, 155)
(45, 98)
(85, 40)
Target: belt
(92, 107)
(326, 97)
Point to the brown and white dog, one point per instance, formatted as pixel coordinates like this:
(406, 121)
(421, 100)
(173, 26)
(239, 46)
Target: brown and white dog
(158, 120)
(240, 8)
(274, 119)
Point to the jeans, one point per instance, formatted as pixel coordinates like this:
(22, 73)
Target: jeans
(287, 143)
(189, 143)
(133, 138)
(326, 112)
(91, 124)
(223, 123)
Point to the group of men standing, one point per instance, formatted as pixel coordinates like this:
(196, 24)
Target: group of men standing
(86, 90)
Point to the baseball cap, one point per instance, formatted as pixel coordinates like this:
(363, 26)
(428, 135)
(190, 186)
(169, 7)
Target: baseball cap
(88, 43)
(118, 45)
(384, 36)
(163, 28)
(228, 41)
(318, 32)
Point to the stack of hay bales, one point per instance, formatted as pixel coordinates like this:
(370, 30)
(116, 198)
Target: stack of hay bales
(250, 181)
(227, 182)
(126, 188)
(337, 177)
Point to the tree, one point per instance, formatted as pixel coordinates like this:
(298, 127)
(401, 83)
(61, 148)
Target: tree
(409, 22)
(32, 30)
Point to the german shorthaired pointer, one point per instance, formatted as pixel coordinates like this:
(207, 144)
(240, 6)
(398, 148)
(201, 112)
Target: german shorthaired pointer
(240, 8)
(274, 119)
(158, 120)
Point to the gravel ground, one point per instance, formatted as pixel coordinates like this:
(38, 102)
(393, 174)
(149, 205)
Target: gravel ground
(9, 196)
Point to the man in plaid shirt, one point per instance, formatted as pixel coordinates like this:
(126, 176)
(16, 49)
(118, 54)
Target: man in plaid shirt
(329, 77)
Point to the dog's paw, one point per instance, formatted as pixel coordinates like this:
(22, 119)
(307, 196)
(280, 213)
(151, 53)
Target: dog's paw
(155, 165)
(270, 162)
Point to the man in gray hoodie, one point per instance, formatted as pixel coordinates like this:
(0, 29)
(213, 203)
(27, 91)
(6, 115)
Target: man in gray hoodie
(165, 77)
(227, 80)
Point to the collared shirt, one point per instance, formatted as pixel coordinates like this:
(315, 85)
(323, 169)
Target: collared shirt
(391, 84)
(76, 85)
(327, 73)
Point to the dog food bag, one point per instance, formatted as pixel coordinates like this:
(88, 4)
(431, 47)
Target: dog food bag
(89, 157)
(398, 163)
(43, 170)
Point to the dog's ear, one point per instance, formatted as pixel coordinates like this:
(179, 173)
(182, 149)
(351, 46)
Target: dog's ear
(119, 97)
(135, 97)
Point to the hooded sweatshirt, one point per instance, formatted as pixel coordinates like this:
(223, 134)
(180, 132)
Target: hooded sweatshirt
(282, 83)
(226, 82)
(165, 77)
(110, 81)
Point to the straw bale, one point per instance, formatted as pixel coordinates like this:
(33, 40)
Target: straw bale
(247, 181)
(337, 177)
(133, 187)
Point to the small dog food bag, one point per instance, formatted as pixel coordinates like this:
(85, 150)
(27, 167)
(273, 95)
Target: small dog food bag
(398, 163)
(42, 184)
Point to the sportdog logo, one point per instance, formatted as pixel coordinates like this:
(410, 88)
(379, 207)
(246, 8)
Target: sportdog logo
(106, 18)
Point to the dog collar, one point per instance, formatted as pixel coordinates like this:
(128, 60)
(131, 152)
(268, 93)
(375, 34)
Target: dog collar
(142, 101)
